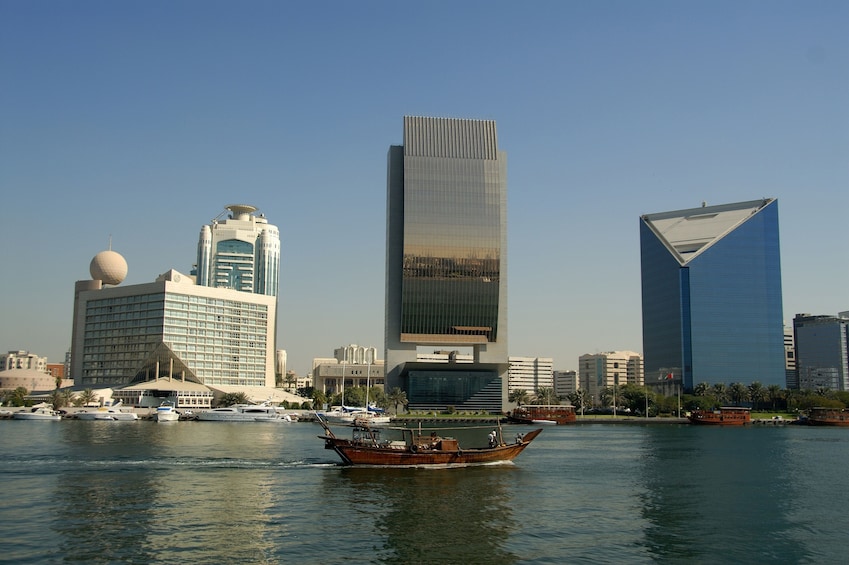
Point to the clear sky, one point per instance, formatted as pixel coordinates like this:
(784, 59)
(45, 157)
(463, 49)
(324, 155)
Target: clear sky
(143, 119)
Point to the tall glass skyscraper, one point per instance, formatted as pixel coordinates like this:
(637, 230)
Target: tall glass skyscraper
(446, 266)
(242, 252)
(822, 351)
(711, 295)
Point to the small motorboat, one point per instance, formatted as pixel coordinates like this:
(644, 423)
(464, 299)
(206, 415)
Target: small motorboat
(166, 412)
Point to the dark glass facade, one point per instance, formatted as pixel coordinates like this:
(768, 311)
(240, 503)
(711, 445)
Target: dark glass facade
(452, 244)
(715, 316)
(446, 254)
(464, 390)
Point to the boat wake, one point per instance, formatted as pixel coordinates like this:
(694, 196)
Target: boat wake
(55, 465)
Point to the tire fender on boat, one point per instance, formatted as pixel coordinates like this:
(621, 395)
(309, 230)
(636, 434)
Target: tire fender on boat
(414, 448)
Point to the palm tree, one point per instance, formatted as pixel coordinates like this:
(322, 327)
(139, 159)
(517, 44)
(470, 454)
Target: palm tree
(319, 399)
(773, 393)
(232, 398)
(790, 395)
(397, 397)
(17, 397)
(578, 398)
(545, 395)
(85, 398)
(519, 396)
(720, 391)
(756, 393)
(738, 393)
(290, 379)
(701, 389)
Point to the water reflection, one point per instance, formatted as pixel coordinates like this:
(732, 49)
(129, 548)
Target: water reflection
(710, 493)
(432, 515)
(143, 493)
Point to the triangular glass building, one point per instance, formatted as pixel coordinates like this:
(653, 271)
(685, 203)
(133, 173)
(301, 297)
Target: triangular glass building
(711, 295)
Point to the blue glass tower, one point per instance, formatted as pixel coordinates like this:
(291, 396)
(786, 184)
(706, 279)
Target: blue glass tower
(711, 295)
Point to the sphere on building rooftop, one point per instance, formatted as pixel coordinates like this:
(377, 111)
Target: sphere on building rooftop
(109, 267)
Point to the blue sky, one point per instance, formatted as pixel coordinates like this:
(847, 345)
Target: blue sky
(143, 119)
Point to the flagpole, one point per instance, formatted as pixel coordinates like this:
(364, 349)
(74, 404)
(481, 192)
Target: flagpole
(679, 399)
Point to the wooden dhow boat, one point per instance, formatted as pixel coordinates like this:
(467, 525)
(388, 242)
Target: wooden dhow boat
(819, 416)
(725, 416)
(543, 414)
(366, 447)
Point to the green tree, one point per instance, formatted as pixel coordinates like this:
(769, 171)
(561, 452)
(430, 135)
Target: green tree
(519, 396)
(290, 379)
(842, 396)
(231, 398)
(633, 397)
(56, 399)
(578, 399)
(318, 399)
(720, 392)
(701, 389)
(774, 394)
(18, 396)
(546, 395)
(738, 393)
(397, 397)
(85, 398)
(355, 396)
(756, 393)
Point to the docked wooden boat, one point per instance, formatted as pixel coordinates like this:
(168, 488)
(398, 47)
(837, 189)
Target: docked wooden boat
(726, 416)
(826, 417)
(543, 414)
(366, 447)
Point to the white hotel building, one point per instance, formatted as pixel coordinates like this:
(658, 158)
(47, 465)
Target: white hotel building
(530, 374)
(173, 328)
(219, 333)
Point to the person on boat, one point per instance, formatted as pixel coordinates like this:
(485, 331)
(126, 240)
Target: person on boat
(492, 439)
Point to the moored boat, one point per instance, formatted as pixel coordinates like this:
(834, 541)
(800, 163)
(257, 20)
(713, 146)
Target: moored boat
(109, 413)
(725, 416)
(543, 414)
(40, 413)
(367, 448)
(240, 413)
(819, 416)
(166, 412)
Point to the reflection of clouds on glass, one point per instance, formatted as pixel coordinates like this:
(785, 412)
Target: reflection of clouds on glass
(454, 222)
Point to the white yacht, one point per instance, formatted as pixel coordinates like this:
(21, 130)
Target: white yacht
(41, 413)
(166, 412)
(240, 413)
(111, 413)
(349, 415)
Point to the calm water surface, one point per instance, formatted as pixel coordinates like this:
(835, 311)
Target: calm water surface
(209, 492)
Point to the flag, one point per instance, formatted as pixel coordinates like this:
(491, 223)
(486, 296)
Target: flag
(669, 376)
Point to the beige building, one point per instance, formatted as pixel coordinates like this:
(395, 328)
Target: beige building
(23, 360)
(352, 365)
(530, 373)
(565, 383)
(598, 371)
